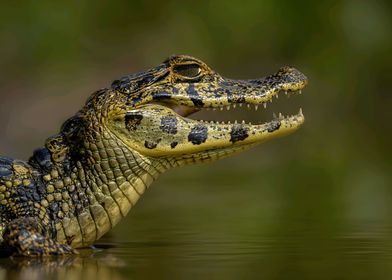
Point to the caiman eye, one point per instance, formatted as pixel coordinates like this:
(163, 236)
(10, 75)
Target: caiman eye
(187, 70)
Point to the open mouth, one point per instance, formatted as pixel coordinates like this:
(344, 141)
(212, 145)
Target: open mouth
(236, 113)
(245, 105)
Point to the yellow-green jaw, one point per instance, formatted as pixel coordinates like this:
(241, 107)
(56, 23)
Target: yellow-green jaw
(157, 122)
(159, 132)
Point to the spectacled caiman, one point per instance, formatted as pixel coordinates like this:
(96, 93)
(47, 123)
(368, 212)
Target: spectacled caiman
(87, 177)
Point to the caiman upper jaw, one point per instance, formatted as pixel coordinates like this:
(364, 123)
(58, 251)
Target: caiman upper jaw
(232, 93)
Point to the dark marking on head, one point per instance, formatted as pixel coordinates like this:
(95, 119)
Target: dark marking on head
(194, 96)
(138, 81)
(198, 134)
(121, 85)
(134, 99)
(161, 95)
(132, 121)
(238, 133)
(173, 144)
(168, 124)
(151, 144)
(273, 125)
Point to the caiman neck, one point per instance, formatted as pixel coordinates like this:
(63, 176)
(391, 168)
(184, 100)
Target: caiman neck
(101, 179)
(100, 159)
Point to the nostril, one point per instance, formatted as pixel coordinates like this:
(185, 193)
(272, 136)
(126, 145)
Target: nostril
(292, 75)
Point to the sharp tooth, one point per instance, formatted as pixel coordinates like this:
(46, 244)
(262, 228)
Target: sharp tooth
(229, 122)
(240, 104)
(277, 96)
(274, 116)
(221, 108)
(243, 122)
(300, 111)
(235, 122)
(285, 92)
(248, 105)
(228, 107)
(280, 116)
(256, 107)
(250, 123)
(265, 105)
(300, 91)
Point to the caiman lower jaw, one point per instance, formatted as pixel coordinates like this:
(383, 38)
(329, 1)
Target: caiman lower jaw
(210, 140)
(162, 132)
(228, 139)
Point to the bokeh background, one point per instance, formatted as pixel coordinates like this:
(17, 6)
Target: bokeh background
(314, 205)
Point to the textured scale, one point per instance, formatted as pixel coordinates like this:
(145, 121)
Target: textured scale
(86, 178)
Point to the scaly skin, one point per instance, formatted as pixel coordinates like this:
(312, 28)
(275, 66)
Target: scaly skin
(87, 178)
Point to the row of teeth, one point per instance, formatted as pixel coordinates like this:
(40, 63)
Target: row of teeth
(280, 116)
(228, 107)
(256, 106)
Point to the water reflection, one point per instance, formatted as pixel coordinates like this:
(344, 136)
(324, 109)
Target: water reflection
(89, 265)
(295, 254)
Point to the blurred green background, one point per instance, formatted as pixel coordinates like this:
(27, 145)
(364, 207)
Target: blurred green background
(311, 204)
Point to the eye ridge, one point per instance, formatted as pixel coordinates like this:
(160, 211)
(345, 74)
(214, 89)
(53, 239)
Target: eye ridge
(187, 70)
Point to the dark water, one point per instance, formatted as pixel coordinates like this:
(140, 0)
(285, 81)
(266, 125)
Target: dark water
(207, 223)
(301, 255)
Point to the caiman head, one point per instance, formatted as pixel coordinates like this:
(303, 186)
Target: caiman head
(150, 111)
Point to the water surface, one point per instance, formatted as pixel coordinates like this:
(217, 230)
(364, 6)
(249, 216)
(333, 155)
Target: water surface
(203, 227)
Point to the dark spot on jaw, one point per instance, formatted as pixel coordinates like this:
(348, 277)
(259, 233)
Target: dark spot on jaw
(132, 121)
(198, 134)
(169, 124)
(151, 145)
(274, 125)
(238, 133)
(121, 85)
(173, 144)
(194, 96)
